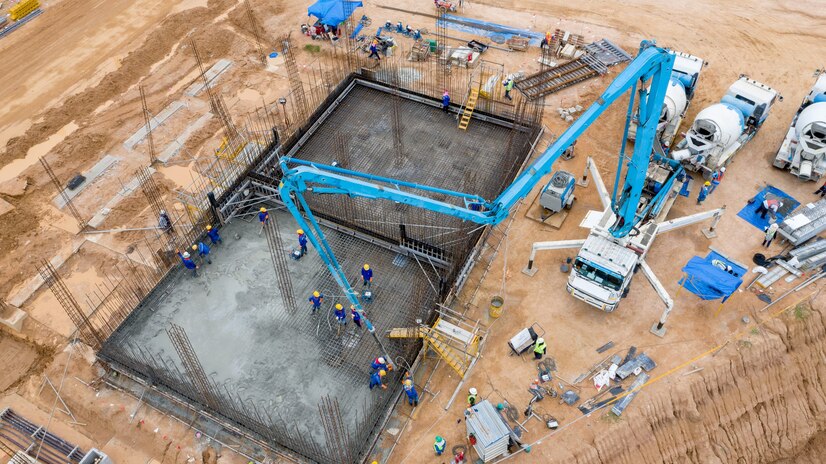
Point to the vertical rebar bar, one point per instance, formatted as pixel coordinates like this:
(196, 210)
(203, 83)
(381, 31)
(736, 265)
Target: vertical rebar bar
(279, 262)
(147, 117)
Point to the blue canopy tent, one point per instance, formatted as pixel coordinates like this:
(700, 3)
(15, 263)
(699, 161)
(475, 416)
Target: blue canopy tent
(333, 12)
(713, 277)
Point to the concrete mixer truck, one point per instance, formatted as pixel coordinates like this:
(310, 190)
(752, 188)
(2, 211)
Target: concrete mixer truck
(678, 96)
(720, 130)
(803, 151)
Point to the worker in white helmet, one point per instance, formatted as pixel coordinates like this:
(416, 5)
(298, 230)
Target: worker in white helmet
(186, 260)
(539, 348)
(472, 397)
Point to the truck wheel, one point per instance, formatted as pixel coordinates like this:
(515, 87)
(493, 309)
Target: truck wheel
(571, 204)
(625, 292)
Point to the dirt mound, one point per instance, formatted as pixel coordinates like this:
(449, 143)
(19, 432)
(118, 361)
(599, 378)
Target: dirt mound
(133, 67)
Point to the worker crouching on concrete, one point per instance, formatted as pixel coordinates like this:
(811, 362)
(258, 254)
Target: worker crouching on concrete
(187, 262)
(539, 348)
(439, 445)
(377, 379)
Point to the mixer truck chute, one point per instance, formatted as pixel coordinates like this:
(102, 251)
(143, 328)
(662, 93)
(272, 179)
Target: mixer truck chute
(678, 96)
(720, 130)
(803, 151)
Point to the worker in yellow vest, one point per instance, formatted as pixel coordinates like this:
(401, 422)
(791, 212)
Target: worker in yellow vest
(539, 348)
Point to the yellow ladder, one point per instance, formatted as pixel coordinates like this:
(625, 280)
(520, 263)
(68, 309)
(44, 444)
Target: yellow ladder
(452, 356)
(464, 121)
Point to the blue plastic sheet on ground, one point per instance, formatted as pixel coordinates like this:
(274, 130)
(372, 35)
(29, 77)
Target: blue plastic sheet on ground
(502, 33)
(333, 12)
(707, 281)
(749, 212)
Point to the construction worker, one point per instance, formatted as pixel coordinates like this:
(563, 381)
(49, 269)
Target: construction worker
(412, 394)
(380, 363)
(701, 197)
(203, 252)
(769, 205)
(213, 235)
(459, 457)
(821, 191)
(508, 88)
(355, 315)
(377, 379)
(439, 445)
(187, 262)
(316, 299)
(539, 348)
(472, 397)
(716, 177)
(771, 231)
(165, 223)
(263, 216)
(341, 318)
(367, 275)
(302, 241)
(374, 50)
(445, 101)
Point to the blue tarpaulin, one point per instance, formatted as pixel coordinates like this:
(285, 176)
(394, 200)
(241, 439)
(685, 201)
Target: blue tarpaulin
(749, 213)
(706, 280)
(333, 12)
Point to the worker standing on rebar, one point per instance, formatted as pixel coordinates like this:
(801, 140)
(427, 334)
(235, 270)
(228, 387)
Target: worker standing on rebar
(771, 231)
(539, 348)
(302, 242)
(341, 317)
(316, 299)
(165, 223)
(701, 197)
(355, 315)
(213, 235)
(508, 88)
(367, 275)
(445, 102)
(377, 379)
(203, 252)
(263, 218)
(187, 262)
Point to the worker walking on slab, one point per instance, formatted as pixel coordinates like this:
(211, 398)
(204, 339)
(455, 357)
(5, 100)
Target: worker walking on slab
(539, 348)
(213, 235)
(377, 379)
(302, 242)
(203, 252)
(439, 445)
(187, 262)
(703, 193)
(263, 218)
(769, 206)
(771, 231)
(315, 300)
(445, 102)
(367, 275)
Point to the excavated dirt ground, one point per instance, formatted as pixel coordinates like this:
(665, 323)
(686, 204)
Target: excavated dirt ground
(71, 95)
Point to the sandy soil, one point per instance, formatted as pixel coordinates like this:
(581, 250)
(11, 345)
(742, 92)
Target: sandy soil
(72, 98)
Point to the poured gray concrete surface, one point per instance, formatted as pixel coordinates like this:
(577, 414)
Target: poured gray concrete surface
(235, 319)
